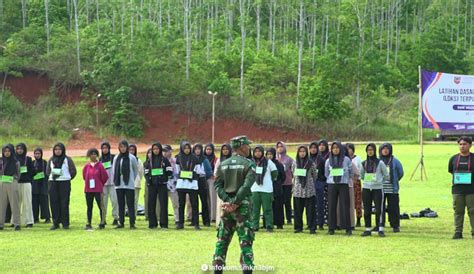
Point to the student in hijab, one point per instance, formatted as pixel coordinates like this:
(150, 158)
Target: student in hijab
(26, 177)
(158, 172)
(277, 204)
(95, 176)
(304, 194)
(357, 162)
(125, 173)
(322, 189)
(172, 193)
(319, 183)
(288, 163)
(39, 188)
(187, 183)
(60, 171)
(204, 171)
(107, 159)
(226, 153)
(262, 189)
(356, 175)
(132, 149)
(391, 186)
(338, 171)
(373, 174)
(9, 193)
(211, 157)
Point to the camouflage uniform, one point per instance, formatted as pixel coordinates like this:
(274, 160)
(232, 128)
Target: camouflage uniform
(234, 178)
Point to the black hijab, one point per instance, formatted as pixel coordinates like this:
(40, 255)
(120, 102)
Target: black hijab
(186, 162)
(371, 163)
(106, 157)
(38, 163)
(337, 161)
(350, 146)
(122, 166)
(156, 160)
(260, 162)
(201, 156)
(325, 154)
(136, 150)
(316, 158)
(21, 157)
(225, 157)
(211, 158)
(9, 163)
(303, 163)
(388, 159)
(59, 160)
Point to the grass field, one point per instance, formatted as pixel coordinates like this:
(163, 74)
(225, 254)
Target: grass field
(424, 245)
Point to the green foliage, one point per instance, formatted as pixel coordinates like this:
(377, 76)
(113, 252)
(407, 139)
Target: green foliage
(124, 114)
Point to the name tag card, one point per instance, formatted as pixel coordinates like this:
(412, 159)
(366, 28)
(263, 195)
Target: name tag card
(300, 172)
(107, 165)
(57, 171)
(462, 178)
(259, 170)
(23, 169)
(369, 177)
(335, 172)
(7, 179)
(39, 176)
(156, 172)
(91, 183)
(186, 174)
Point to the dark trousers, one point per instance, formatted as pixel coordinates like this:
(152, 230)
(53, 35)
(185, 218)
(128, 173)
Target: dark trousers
(278, 214)
(193, 196)
(339, 192)
(90, 197)
(8, 214)
(59, 197)
(126, 195)
(375, 196)
(203, 192)
(159, 191)
(287, 201)
(300, 205)
(320, 205)
(40, 203)
(391, 205)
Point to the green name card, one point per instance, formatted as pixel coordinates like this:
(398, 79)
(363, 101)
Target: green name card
(335, 172)
(107, 165)
(156, 172)
(300, 172)
(23, 169)
(57, 171)
(186, 174)
(39, 176)
(259, 170)
(7, 179)
(369, 177)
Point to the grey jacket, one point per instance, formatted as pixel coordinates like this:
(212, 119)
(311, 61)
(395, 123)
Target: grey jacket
(133, 173)
(348, 172)
(381, 174)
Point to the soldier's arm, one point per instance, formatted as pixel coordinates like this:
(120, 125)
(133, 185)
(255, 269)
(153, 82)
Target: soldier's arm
(244, 190)
(219, 186)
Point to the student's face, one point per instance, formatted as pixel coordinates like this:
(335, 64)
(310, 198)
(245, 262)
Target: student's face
(19, 151)
(302, 153)
(322, 148)
(280, 148)
(464, 147)
(58, 151)
(123, 148)
(385, 151)
(187, 149)
(269, 156)
(93, 157)
(208, 151)
(167, 153)
(37, 155)
(132, 150)
(313, 149)
(370, 151)
(105, 150)
(149, 155)
(156, 150)
(350, 151)
(225, 151)
(258, 153)
(197, 151)
(335, 150)
(7, 152)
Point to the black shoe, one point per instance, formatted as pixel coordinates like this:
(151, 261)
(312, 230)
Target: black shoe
(119, 227)
(54, 227)
(375, 229)
(88, 227)
(313, 232)
(197, 227)
(1, 227)
(358, 222)
(207, 224)
(47, 221)
(330, 232)
(279, 227)
(179, 226)
(457, 236)
(269, 229)
(381, 234)
(338, 228)
(153, 227)
(17, 228)
(101, 226)
(396, 229)
(298, 231)
(366, 233)
(133, 227)
(115, 222)
(321, 227)
(352, 228)
(66, 227)
(29, 226)
(348, 232)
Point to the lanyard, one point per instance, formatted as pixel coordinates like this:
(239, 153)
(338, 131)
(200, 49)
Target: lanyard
(468, 163)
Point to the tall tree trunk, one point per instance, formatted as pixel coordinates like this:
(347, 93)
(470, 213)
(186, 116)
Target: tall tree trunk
(160, 17)
(78, 49)
(24, 12)
(46, 10)
(187, 34)
(242, 50)
(300, 52)
(97, 16)
(258, 25)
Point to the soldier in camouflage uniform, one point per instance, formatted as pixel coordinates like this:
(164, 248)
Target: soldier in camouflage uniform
(234, 178)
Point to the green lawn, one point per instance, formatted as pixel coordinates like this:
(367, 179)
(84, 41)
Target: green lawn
(424, 245)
